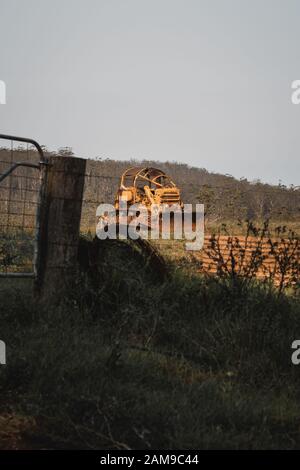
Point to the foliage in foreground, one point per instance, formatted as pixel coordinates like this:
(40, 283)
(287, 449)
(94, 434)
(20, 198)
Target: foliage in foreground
(132, 362)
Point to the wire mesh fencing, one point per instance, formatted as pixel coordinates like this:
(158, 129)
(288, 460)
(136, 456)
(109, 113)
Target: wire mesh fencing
(19, 206)
(98, 189)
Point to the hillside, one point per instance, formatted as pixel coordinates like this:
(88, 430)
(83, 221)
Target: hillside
(225, 197)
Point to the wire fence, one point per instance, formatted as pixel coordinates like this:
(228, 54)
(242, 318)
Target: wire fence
(19, 205)
(98, 189)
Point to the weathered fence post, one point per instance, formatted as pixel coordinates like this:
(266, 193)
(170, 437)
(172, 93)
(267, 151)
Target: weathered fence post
(60, 223)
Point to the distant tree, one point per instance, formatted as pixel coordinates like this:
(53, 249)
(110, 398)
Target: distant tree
(208, 196)
(65, 152)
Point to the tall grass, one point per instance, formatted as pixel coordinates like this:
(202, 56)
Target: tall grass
(125, 361)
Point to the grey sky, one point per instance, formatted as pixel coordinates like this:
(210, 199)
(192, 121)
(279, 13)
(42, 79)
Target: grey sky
(203, 82)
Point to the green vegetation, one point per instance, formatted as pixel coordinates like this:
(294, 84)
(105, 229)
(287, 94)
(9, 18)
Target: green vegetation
(16, 251)
(129, 361)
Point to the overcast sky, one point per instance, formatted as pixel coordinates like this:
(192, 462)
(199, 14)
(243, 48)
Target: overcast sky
(204, 82)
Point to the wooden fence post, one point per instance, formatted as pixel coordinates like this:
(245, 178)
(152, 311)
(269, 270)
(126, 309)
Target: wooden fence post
(60, 224)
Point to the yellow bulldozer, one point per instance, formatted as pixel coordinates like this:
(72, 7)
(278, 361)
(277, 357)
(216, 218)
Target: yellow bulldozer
(147, 186)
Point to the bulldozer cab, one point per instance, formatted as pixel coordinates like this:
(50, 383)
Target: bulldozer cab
(147, 186)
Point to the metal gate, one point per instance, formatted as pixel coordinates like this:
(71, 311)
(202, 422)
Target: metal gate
(22, 175)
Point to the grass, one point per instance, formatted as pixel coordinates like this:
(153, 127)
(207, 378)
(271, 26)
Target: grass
(16, 251)
(131, 362)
